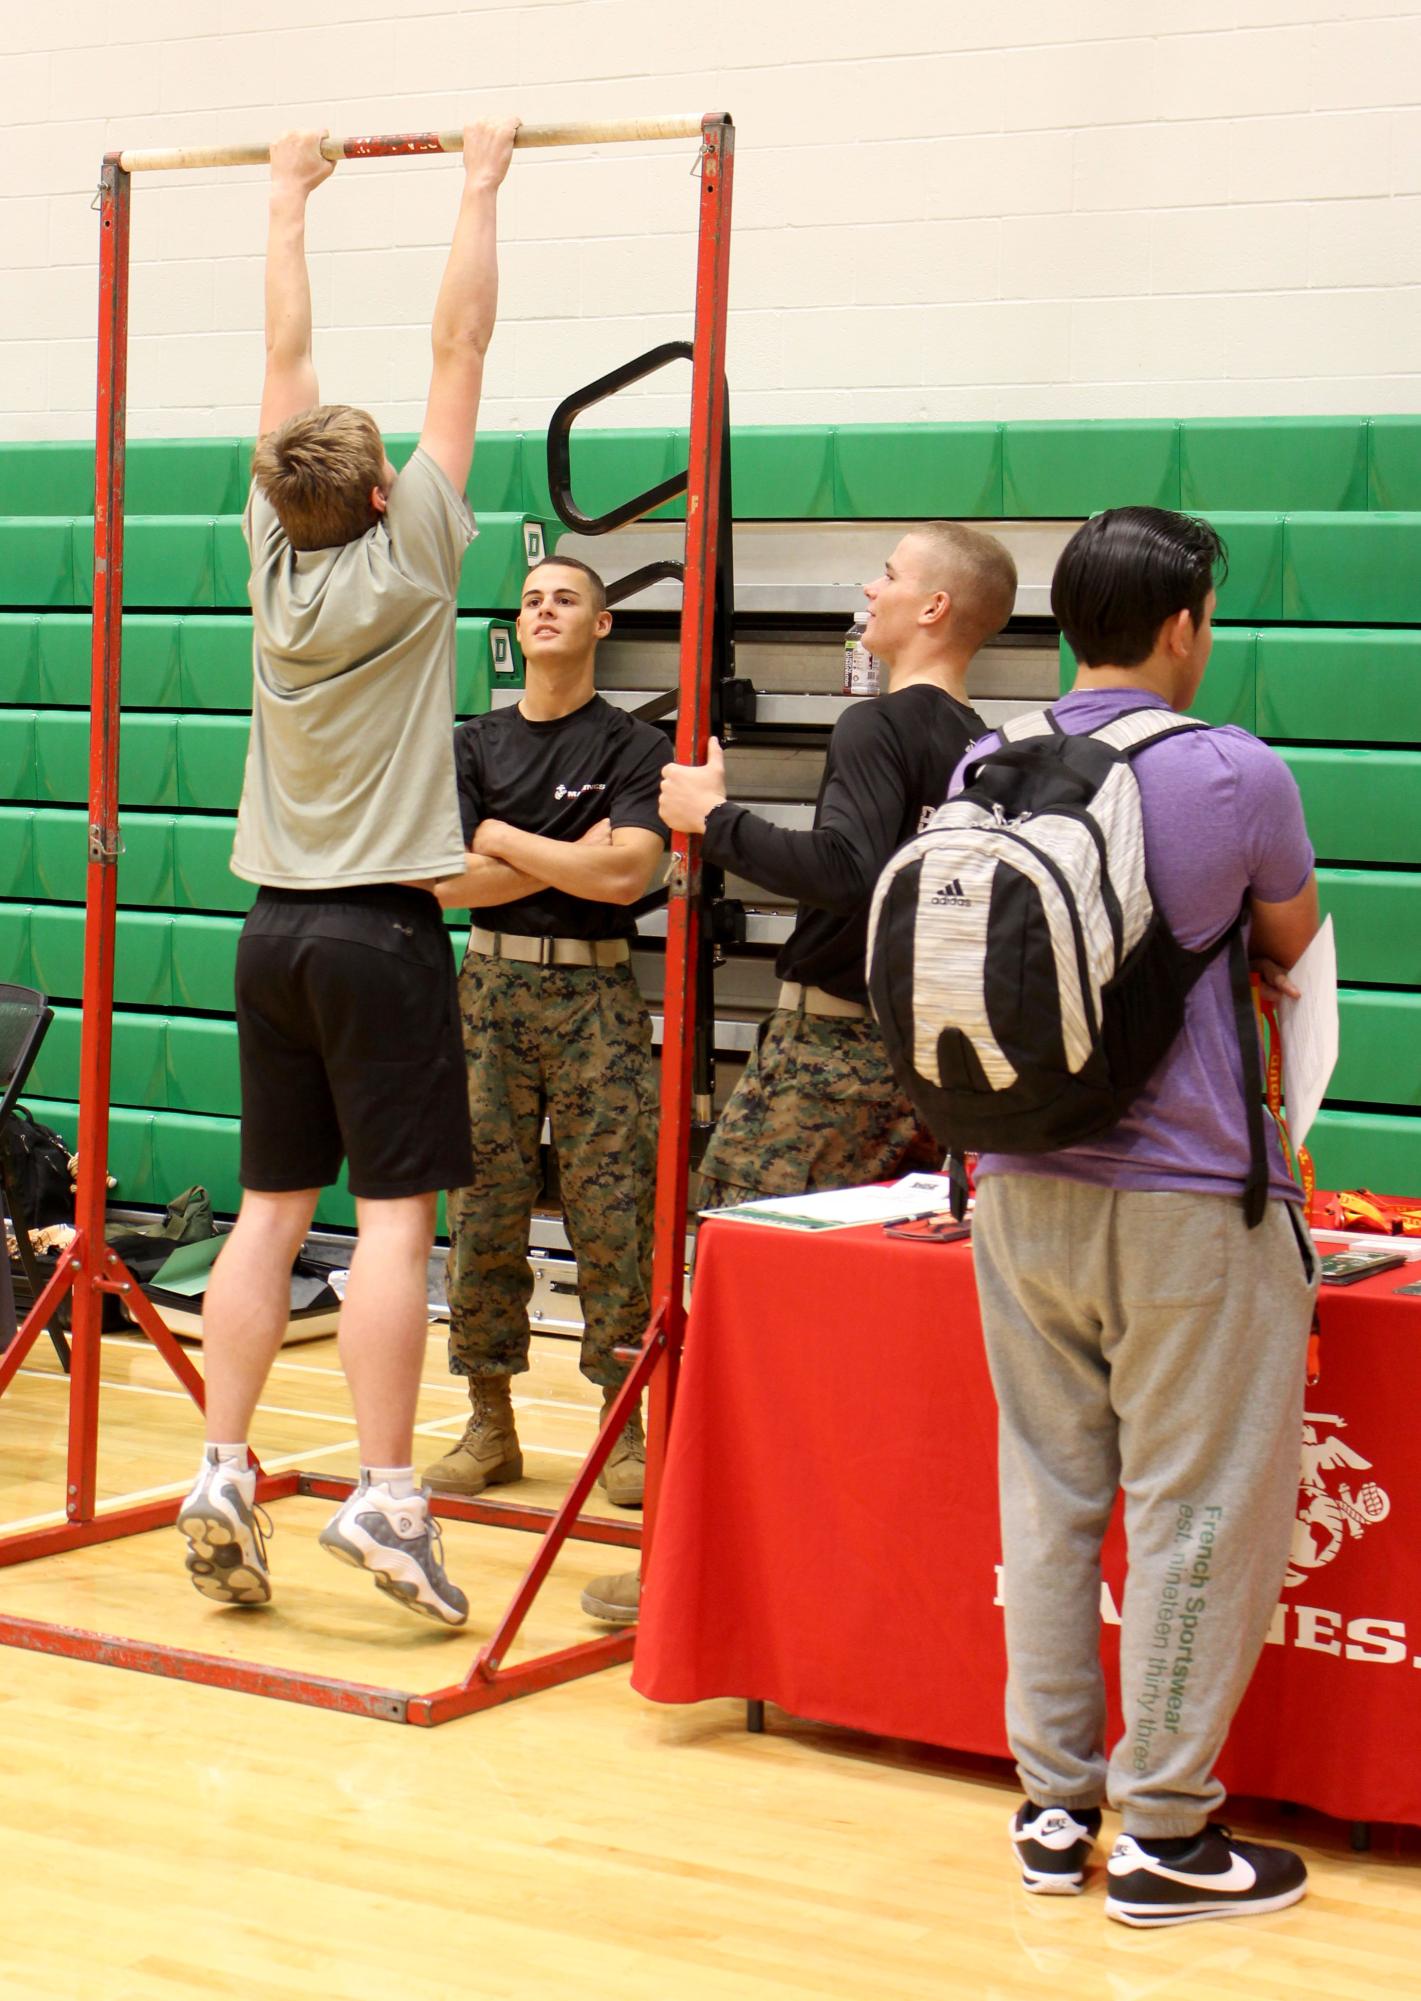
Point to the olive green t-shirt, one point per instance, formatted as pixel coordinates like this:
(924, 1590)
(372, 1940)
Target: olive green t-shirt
(350, 765)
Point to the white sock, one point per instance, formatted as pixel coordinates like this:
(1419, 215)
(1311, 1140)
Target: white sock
(398, 1481)
(228, 1455)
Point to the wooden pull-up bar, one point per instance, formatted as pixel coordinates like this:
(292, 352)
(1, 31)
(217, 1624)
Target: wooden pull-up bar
(586, 132)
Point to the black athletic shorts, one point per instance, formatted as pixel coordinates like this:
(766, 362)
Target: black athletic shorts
(349, 1040)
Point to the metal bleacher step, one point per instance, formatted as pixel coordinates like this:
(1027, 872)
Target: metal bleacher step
(817, 567)
(762, 927)
(786, 711)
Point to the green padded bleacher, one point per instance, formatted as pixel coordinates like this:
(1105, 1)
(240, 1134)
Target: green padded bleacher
(17, 754)
(1377, 917)
(189, 562)
(1065, 470)
(932, 471)
(169, 862)
(1348, 686)
(1361, 805)
(198, 661)
(1272, 463)
(202, 878)
(1380, 1049)
(1253, 588)
(1394, 462)
(1378, 1150)
(36, 561)
(16, 962)
(1353, 569)
(1062, 469)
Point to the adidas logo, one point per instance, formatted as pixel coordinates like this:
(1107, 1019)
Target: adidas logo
(949, 895)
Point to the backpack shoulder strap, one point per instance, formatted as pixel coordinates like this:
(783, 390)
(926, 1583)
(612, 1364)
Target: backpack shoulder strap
(1040, 722)
(1137, 727)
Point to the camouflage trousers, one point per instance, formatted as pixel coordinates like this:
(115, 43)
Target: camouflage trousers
(817, 1106)
(573, 1042)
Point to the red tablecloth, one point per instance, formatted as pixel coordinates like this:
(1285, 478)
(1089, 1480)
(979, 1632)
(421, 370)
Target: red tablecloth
(828, 1536)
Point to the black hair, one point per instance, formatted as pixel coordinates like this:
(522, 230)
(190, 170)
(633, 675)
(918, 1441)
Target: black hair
(1124, 573)
(599, 589)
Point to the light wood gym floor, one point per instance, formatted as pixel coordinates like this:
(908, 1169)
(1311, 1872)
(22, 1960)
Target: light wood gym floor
(161, 1842)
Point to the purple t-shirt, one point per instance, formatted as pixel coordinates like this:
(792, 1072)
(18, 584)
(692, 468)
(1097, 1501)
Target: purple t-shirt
(1222, 820)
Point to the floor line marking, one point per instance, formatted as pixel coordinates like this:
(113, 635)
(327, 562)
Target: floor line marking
(428, 1428)
(152, 1390)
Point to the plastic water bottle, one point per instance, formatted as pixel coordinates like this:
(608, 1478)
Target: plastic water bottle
(860, 666)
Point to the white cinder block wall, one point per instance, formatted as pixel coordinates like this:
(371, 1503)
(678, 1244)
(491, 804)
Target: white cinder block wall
(1031, 208)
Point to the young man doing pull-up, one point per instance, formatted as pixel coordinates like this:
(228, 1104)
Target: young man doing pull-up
(347, 1011)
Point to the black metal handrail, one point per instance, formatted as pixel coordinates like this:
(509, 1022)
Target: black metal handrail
(560, 445)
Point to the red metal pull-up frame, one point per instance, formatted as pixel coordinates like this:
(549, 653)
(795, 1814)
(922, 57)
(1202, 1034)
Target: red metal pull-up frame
(88, 1269)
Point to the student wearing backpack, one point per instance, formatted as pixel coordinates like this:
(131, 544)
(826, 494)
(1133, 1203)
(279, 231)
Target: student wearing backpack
(347, 1010)
(1141, 1334)
(817, 1105)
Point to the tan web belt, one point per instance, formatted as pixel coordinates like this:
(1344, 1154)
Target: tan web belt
(814, 1000)
(549, 951)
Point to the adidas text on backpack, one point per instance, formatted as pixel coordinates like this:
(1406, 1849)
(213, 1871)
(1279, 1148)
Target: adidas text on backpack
(1024, 980)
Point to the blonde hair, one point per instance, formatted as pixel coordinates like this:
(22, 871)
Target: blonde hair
(317, 470)
(977, 573)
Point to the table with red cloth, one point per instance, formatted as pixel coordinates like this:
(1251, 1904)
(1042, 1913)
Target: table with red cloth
(827, 1536)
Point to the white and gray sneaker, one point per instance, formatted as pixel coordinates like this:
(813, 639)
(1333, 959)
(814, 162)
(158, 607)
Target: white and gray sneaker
(1053, 1844)
(226, 1532)
(1207, 1875)
(397, 1540)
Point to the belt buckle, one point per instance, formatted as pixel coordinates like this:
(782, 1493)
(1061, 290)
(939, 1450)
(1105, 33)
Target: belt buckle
(545, 952)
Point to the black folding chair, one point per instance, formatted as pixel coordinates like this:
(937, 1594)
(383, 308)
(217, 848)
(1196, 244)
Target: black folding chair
(24, 1019)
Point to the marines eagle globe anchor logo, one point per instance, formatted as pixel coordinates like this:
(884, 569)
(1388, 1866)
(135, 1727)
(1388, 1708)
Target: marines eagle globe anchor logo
(1324, 1516)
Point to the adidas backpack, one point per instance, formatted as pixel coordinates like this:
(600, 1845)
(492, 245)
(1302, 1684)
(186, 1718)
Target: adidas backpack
(1024, 980)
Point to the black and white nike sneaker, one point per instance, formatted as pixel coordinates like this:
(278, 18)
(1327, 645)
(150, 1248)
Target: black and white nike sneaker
(1207, 1875)
(1052, 1846)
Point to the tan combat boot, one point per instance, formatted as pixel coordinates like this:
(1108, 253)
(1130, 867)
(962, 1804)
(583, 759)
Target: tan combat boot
(615, 1599)
(488, 1453)
(624, 1475)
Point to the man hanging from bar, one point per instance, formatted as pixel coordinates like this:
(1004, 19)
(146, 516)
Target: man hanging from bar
(558, 796)
(347, 1011)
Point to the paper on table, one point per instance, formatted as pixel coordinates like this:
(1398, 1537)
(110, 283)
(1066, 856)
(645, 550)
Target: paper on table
(843, 1208)
(1309, 1029)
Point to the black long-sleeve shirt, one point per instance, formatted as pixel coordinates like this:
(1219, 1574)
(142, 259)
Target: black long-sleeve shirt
(889, 763)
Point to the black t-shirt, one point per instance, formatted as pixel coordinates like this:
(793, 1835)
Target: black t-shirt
(889, 764)
(559, 779)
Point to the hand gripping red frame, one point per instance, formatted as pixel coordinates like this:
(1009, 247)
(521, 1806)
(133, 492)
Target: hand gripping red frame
(88, 1269)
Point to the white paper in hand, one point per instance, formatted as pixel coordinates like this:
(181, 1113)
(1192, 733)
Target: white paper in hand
(1308, 1026)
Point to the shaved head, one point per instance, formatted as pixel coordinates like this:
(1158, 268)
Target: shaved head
(973, 568)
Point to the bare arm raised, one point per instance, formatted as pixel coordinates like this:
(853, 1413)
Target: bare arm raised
(465, 310)
(297, 168)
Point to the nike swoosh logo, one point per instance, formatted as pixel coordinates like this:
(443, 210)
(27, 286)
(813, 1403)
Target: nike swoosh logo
(1239, 1875)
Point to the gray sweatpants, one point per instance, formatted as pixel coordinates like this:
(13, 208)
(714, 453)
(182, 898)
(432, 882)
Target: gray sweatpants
(1150, 1342)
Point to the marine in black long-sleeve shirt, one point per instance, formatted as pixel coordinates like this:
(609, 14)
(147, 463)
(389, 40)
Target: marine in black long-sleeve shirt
(888, 767)
(817, 1105)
